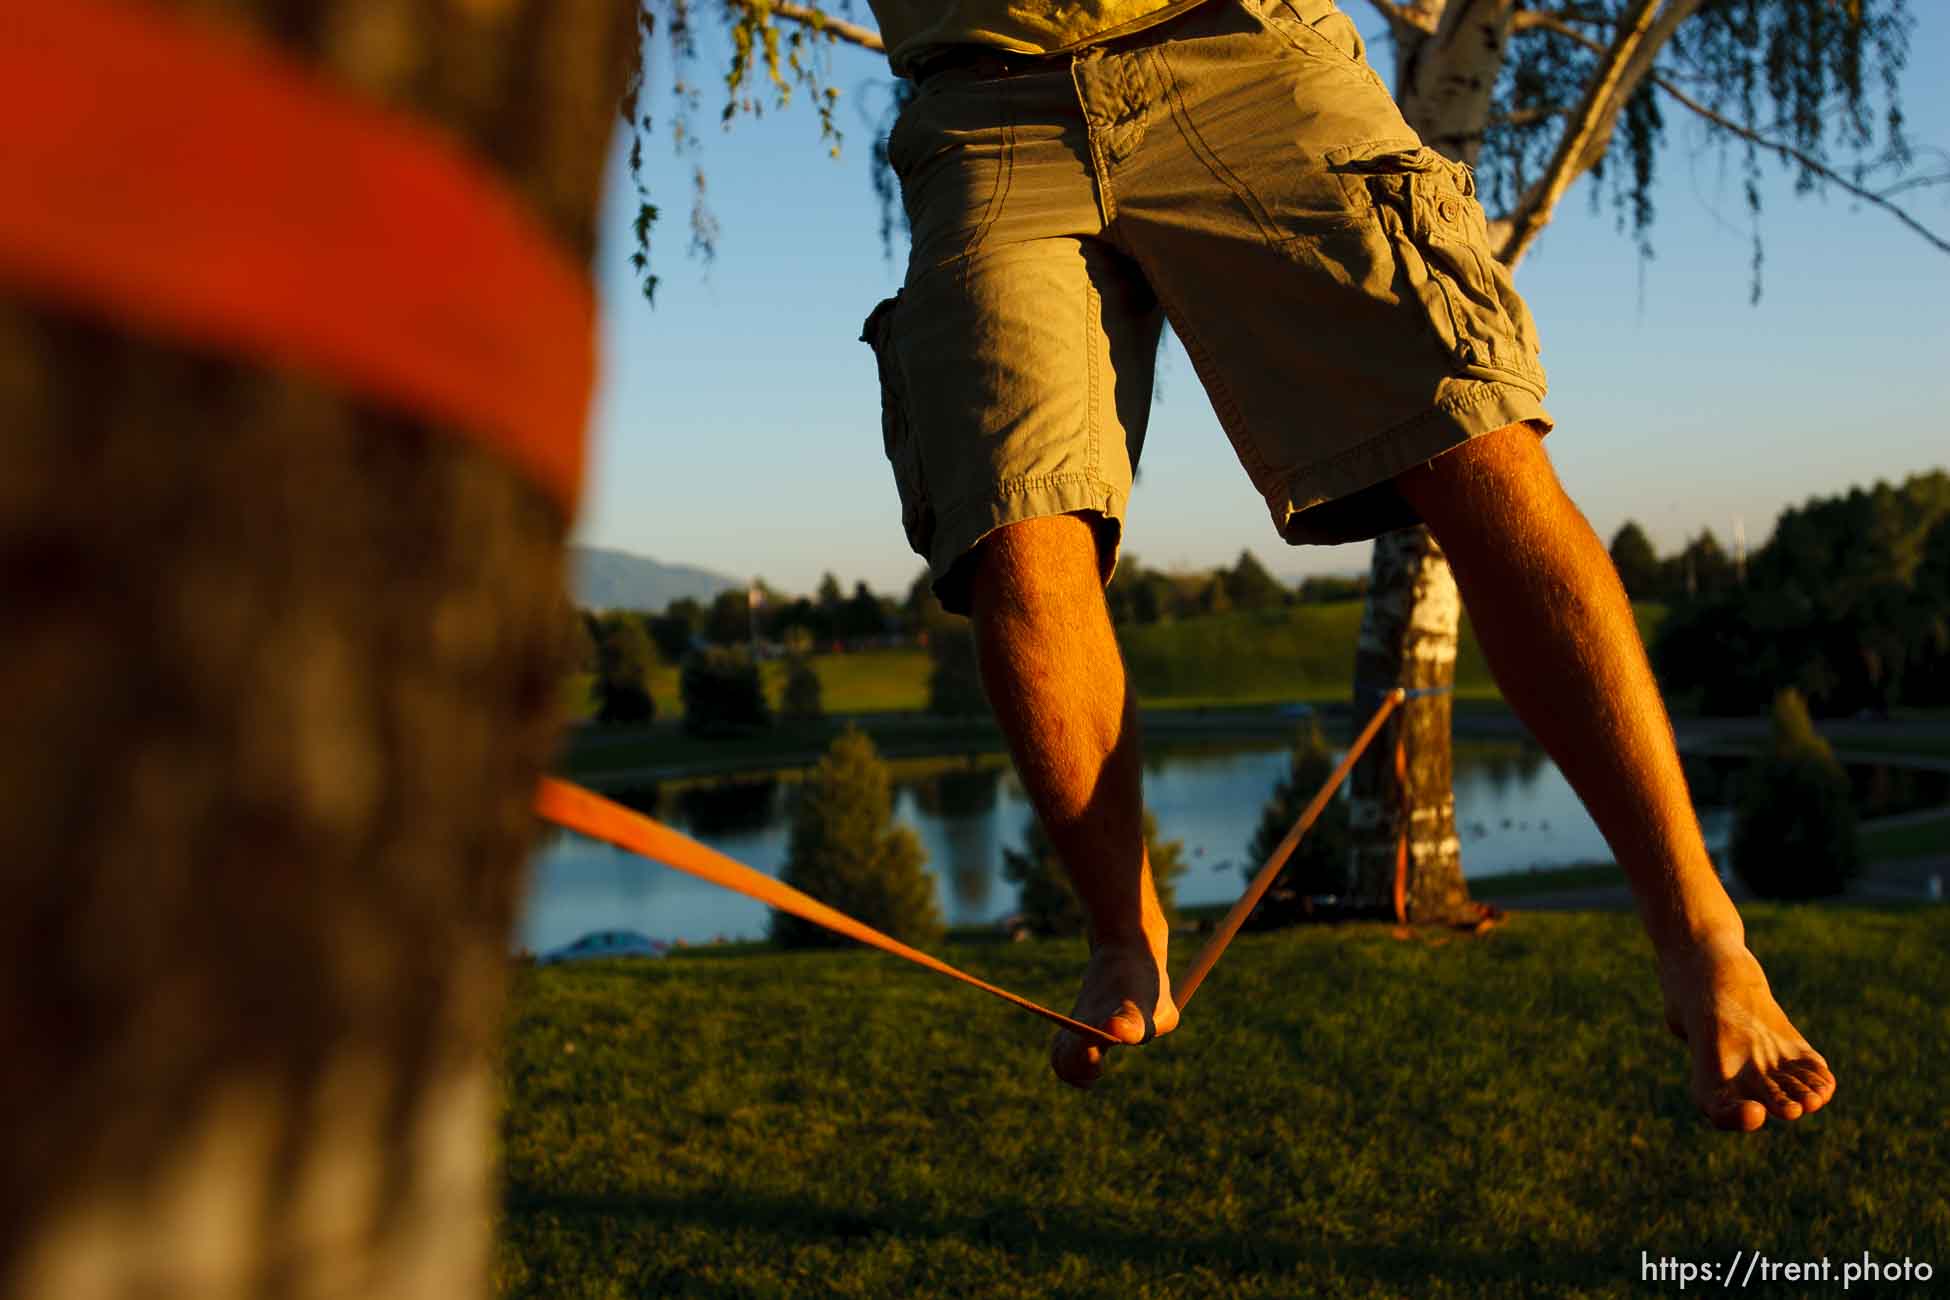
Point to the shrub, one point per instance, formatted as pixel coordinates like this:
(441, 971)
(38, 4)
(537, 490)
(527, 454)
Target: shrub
(1049, 903)
(845, 851)
(802, 699)
(722, 691)
(1794, 829)
(1319, 863)
(624, 658)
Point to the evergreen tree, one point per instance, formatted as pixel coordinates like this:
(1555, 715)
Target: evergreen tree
(722, 692)
(860, 616)
(1637, 562)
(845, 851)
(803, 698)
(1794, 833)
(1049, 903)
(1319, 863)
(676, 628)
(624, 660)
(954, 676)
(1251, 587)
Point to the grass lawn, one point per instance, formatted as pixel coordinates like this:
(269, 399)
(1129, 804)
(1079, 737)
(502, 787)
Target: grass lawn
(1546, 880)
(1244, 657)
(1917, 840)
(1341, 1114)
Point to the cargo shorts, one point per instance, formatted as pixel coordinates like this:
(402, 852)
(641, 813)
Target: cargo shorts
(1240, 170)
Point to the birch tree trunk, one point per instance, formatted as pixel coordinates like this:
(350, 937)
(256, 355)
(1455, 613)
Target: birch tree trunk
(1447, 61)
(277, 676)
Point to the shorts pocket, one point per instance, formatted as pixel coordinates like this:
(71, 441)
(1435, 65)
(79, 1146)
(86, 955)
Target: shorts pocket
(897, 434)
(1319, 27)
(1427, 206)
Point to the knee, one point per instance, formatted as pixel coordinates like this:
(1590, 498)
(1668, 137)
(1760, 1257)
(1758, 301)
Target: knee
(1025, 563)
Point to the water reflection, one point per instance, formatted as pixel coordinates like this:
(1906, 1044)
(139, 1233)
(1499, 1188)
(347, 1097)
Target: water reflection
(1513, 811)
(727, 807)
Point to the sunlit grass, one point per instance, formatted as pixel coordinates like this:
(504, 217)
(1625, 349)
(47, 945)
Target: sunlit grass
(1341, 1114)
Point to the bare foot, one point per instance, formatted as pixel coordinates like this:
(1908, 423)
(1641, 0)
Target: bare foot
(1127, 994)
(1749, 1062)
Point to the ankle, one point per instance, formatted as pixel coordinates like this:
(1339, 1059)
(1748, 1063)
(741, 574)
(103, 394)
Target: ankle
(1147, 933)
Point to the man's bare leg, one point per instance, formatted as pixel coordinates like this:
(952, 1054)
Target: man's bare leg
(1557, 629)
(1056, 682)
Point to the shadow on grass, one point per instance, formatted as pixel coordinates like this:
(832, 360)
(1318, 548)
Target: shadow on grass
(1034, 1236)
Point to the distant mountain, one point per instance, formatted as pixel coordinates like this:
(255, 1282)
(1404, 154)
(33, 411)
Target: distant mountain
(618, 580)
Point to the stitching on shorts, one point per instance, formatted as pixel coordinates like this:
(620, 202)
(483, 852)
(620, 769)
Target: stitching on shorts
(1092, 310)
(1195, 143)
(1099, 165)
(1483, 393)
(1021, 483)
(1004, 171)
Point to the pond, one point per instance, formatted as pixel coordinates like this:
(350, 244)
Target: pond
(1514, 811)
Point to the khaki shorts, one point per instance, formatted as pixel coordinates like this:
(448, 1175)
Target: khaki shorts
(1240, 170)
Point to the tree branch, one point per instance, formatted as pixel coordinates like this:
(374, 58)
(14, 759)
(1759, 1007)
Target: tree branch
(805, 15)
(1558, 27)
(1402, 15)
(1637, 69)
(1813, 164)
(1525, 19)
(1535, 209)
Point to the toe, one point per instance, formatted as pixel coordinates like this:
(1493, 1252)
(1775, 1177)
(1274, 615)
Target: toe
(1766, 1088)
(1075, 1061)
(1816, 1084)
(1736, 1114)
(1129, 1025)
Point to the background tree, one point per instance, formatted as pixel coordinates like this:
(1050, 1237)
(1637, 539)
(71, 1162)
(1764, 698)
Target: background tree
(1320, 862)
(831, 598)
(1152, 602)
(1794, 830)
(722, 692)
(954, 676)
(676, 629)
(624, 662)
(846, 852)
(1251, 587)
(1840, 603)
(1632, 554)
(1215, 597)
(1048, 903)
(1326, 589)
(861, 617)
(729, 621)
(1701, 570)
(255, 619)
(803, 697)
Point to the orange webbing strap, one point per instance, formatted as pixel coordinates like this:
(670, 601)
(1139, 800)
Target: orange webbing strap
(1187, 985)
(187, 182)
(590, 814)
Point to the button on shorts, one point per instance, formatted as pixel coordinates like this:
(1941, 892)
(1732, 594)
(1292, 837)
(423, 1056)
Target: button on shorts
(1240, 170)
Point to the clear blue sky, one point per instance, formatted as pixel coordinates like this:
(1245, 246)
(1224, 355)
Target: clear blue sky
(737, 423)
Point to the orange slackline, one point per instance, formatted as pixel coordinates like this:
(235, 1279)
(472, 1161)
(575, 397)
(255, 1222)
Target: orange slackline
(1202, 964)
(588, 813)
(190, 183)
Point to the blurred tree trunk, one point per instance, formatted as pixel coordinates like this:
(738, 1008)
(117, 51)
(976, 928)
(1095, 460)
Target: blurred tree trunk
(278, 673)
